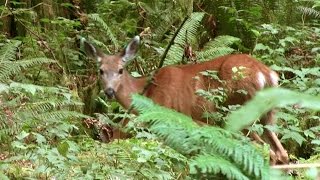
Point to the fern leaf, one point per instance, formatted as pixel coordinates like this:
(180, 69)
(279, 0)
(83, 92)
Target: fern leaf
(219, 46)
(105, 26)
(60, 115)
(162, 18)
(264, 101)
(213, 53)
(182, 134)
(188, 34)
(309, 11)
(8, 51)
(9, 68)
(216, 164)
(222, 41)
(243, 153)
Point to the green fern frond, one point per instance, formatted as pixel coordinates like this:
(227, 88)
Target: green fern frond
(215, 164)
(161, 19)
(164, 121)
(31, 88)
(48, 105)
(8, 51)
(219, 46)
(222, 41)
(188, 33)
(7, 127)
(213, 53)
(9, 68)
(105, 26)
(30, 105)
(309, 11)
(243, 153)
(182, 134)
(99, 43)
(190, 28)
(155, 113)
(60, 115)
(277, 97)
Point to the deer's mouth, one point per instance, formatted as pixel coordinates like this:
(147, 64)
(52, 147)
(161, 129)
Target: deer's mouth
(110, 93)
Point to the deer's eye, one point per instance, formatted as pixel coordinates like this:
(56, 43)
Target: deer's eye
(120, 71)
(101, 72)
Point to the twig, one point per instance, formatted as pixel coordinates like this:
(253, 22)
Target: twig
(296, 166)
(5, 5)
(164, 55)
(22, 9)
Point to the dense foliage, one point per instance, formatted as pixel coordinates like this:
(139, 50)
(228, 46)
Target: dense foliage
(53, 115)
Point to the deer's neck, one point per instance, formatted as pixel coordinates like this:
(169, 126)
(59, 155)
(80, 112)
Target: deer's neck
(128, 86)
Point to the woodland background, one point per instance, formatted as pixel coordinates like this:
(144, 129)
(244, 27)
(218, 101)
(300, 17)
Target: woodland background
(53, 115)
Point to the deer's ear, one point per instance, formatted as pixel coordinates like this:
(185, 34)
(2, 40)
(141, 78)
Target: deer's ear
(90, 50)
(131, 50)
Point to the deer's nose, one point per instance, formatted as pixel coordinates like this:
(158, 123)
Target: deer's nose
(109, 92)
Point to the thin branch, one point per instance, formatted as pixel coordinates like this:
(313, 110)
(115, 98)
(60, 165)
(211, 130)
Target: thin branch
(22, 9)
(296, 166)
(5, 5)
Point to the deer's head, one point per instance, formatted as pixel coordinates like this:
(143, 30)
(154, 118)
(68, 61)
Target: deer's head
(112, 67)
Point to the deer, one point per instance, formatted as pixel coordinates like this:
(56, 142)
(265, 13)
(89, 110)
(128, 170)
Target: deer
(175, 86)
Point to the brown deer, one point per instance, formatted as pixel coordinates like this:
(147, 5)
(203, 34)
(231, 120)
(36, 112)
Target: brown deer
(175, 86)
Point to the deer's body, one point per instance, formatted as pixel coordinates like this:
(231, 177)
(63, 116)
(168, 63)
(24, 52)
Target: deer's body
(175, 86)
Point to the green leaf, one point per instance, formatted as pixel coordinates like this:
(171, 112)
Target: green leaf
(8, 51)
(63, 148)
(260, 47)
(40, 138)
(141, 160)
(22, 135)
(309, 133)
(295, 136)
(216, 164)
(266, 100)
(4, 88)
(316, 142)
(3, 176)
(67, 96)
(19, 145)
(27, 87)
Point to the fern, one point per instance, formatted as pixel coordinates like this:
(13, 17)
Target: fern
(240, 152)
(309, 11)
(105, 26)
(214, 164)
(219, 46)
(8, 65)
(182, 134)
(31, 105)
(8, 51)
(188, 34)
(9, 68)
(161, 17)
(222, 41)
(213, 53)
(58, 115)
(266, 100)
